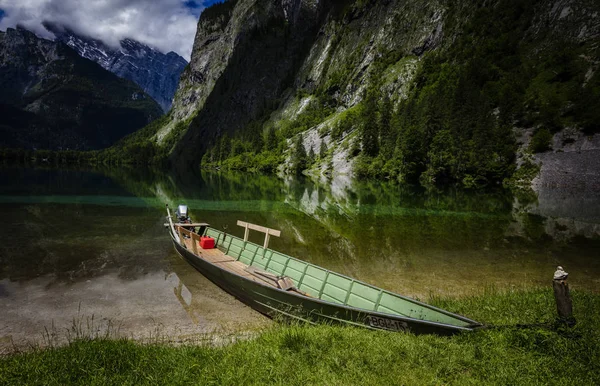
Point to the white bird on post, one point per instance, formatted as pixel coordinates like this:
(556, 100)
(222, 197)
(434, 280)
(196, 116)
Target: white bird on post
(560, 274)
(564, 305)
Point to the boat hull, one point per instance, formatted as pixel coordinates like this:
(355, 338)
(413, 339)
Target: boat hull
(279, 304)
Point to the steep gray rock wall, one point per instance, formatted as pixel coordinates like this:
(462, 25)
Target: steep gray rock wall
(409, 27)
(573, 165)
(568, 185)
(240, 68)
(251, 61)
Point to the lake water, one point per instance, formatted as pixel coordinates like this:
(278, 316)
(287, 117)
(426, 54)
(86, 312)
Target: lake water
(82, 250)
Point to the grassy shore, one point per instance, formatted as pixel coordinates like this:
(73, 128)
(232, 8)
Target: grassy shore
(522, 347)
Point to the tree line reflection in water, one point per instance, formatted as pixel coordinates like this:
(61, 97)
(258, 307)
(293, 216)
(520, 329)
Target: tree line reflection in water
(449, 240)
(405, 238)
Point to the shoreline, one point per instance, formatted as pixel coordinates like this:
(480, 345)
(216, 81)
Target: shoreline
(523, 338)
(526, 346)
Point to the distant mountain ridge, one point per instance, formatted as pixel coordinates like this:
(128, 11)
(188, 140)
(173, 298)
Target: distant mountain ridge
(52, 98)
(156, 73)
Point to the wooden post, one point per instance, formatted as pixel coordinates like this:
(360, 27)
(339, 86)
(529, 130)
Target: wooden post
(564, 305)
(246, 233)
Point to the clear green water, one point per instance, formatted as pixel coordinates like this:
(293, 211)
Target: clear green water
(80, 243)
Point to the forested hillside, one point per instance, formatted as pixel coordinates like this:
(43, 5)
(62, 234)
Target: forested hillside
(51, 98)
(412, 91)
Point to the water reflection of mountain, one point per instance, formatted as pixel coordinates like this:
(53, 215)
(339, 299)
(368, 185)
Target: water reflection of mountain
(363, 209)
(337, 221)
(378, 232)
(566, 214)
(450, 240)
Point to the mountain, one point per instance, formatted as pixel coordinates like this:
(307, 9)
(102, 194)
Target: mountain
(156, 73)
(51, 98)
(458, 92)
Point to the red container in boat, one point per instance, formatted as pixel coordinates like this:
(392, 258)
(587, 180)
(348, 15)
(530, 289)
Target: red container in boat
(207, 242)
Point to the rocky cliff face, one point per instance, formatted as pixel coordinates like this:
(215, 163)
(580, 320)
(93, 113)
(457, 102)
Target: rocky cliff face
(306, 66)
(156, 73)
(250, 58)
(51, 98)
(244, 59)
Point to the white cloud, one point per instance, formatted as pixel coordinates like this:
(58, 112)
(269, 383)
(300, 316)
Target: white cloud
(167, 25)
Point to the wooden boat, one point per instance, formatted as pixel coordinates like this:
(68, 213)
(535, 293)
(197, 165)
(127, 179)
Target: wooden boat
(278, 285)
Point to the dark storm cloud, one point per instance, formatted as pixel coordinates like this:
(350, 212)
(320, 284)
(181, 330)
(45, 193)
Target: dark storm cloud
(168, 25)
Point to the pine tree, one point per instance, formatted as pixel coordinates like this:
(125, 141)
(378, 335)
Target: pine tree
(323, 150)
(369, 127)
(224, 148)
(311, 156)
(386, 133)
(271, 139)
(299, 155)
(237, 147)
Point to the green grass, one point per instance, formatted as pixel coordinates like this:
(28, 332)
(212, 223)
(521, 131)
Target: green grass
(507, 354)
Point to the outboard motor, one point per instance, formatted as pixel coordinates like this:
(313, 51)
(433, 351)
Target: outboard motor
(182, 214)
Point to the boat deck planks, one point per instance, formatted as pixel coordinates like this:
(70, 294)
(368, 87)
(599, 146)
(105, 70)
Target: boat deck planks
(224, 261)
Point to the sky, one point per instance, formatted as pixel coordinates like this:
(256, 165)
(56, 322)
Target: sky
(167, 25)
